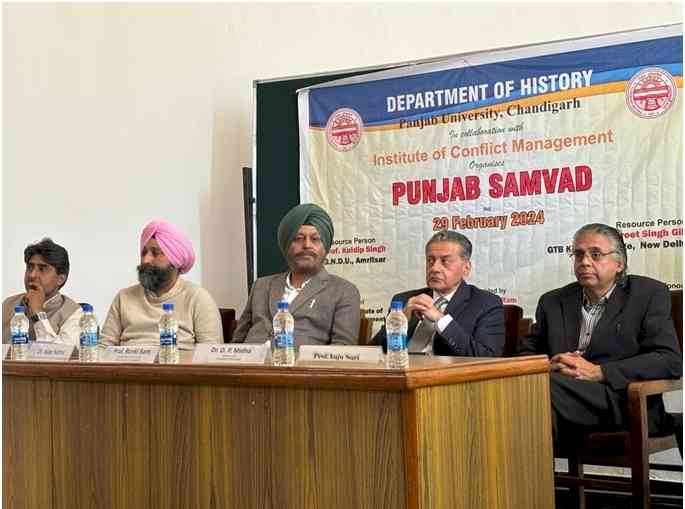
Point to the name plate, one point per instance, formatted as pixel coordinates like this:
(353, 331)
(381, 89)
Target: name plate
(49, 352)
(129, 354)
(238, 353)
(5, 351)
(341, 354)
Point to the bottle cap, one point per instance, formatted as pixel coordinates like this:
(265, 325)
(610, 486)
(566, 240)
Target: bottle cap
(87, 308)
(168, 306)
(19, 309)
(282, 304)
(396, 305)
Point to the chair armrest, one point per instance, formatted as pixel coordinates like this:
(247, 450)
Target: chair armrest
(637, 415)
(649, 387)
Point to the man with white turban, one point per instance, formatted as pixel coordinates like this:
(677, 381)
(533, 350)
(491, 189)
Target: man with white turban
(325, 307)
(165, 254)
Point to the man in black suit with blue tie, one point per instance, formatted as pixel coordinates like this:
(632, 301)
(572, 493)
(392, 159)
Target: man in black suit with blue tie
(450, 316)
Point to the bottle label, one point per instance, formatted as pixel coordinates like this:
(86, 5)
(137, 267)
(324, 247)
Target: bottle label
(89, 339)
(167, 338)
(284, 340)
(397, 342)
(20, 338)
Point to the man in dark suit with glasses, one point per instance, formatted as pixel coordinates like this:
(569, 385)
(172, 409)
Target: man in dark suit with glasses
(602, 332)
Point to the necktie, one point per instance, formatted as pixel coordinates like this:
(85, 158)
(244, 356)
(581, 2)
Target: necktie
(425, 330)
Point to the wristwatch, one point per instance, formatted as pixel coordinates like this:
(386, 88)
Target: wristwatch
(37, 317)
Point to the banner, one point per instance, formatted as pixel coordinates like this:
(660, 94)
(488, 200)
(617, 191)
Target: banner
(516, 149)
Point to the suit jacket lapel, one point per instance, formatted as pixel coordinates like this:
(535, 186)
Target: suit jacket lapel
(604, 328)
(314, 286)
(276, 293)
(458, 301)
(571, 303)
(460, 297)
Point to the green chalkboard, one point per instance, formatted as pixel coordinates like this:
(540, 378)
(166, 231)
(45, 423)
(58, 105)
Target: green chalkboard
(278, 159)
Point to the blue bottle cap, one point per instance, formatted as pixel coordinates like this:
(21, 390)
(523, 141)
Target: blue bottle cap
(87, 308)
(19, 309)
(396, 305)
(168, 306)
(282, 304)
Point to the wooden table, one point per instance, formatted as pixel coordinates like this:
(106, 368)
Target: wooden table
(445, 433)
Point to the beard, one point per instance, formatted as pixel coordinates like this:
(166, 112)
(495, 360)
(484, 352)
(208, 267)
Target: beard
(154, 278)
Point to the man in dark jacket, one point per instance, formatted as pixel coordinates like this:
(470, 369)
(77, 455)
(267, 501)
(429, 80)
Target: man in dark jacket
(450, 316)
(603, 332)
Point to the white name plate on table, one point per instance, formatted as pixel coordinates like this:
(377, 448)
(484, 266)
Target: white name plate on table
(5, 351)
(237, 353)
(129, 354)
(333, 354)
(49, 352)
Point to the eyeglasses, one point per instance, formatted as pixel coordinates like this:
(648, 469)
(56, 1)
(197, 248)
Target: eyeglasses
(595, 254)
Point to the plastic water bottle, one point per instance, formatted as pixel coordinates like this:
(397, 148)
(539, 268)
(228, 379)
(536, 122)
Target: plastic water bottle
(396, 331)
(284, 342)
(19, 331)
(88, 338)
(168, 328)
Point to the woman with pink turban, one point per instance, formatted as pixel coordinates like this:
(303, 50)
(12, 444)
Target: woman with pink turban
(165, 254)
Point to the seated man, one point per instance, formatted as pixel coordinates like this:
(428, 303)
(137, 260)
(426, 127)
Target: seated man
(602, 332)
(165, 254)
(450, 316)
(53, 317)
(325, 307)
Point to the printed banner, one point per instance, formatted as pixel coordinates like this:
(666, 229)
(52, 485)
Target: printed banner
(516, 149)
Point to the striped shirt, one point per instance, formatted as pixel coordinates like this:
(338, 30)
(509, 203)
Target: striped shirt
(592, 313)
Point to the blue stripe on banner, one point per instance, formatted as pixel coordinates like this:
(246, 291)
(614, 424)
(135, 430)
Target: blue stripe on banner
(675, 69)
(601, 78)
(608, 64)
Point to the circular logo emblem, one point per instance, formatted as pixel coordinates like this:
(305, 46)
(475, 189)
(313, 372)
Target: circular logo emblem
(344, 129)
(651, 93)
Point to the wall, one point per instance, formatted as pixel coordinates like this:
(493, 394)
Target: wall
(118, 113)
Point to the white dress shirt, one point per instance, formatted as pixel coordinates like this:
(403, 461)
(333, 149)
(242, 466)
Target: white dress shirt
(69, 332)
(442, 324)
(290, 292)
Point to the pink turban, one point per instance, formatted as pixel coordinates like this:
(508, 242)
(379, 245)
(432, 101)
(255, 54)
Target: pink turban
(173, 243)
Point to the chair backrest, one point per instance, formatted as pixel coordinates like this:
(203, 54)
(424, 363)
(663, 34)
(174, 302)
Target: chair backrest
(227, 322)
(525, 326)
(677, 314)
(512, 316)
(364, 331)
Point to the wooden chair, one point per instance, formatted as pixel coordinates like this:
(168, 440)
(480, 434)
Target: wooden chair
(525, 326)
(512, 317)
(228, 323)
(364, 330)
(629, 448)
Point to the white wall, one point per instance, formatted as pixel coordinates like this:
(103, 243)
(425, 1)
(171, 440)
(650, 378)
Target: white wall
(118, 113)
